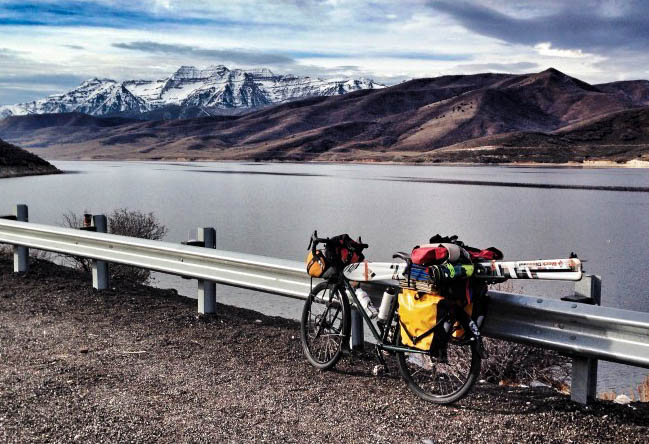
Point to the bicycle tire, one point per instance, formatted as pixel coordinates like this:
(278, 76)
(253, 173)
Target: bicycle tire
(323, 343)
(441, 383)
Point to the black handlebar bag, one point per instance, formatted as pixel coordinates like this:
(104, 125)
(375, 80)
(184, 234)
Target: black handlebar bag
(342, 250)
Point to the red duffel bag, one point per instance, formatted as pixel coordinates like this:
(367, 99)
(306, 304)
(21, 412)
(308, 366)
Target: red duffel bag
(429, 255)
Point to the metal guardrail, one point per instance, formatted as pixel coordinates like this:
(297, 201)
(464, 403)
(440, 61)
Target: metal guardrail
(606, 333)
(583, 330)
(261, 273)
(600, 332)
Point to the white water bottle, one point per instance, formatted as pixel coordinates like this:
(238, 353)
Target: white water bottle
(366, 303)
(386, 304)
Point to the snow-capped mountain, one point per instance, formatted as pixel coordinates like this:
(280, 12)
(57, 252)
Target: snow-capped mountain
(209, 90)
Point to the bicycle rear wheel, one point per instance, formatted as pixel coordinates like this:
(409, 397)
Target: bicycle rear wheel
(441, 383)
(325, 325)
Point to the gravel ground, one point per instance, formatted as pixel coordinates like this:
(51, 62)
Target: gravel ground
(136, 364)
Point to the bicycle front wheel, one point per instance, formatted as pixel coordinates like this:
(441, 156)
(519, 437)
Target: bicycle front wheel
(441, 382)
(325, 325)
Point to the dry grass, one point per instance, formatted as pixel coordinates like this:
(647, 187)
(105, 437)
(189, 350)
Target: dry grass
(608, 396)
(643, 390)
(640, 394)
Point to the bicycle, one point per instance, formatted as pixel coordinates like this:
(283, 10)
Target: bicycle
(442, 377)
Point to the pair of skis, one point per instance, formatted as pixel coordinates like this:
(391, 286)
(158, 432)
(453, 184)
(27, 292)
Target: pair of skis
(549, 269)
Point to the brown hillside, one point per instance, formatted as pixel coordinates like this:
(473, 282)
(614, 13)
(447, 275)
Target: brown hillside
(15, 161)
(635, 92)
(566, 98)
(620, 136)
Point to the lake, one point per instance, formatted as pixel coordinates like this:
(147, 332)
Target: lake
(271, 209)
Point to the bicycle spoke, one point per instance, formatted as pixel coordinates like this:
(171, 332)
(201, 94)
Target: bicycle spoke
(439, 380)
(323, 326)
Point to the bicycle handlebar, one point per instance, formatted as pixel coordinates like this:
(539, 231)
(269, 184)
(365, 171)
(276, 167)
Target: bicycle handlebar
(315, 240)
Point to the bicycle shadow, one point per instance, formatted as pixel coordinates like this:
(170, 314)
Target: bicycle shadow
(365, 364)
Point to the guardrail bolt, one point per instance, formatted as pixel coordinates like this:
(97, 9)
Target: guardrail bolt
(584, 370)
(207, 289)
(100, 277)
(21, 254)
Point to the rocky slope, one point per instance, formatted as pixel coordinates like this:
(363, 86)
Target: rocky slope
(15, 162)
(189, 92)
(419, 120)
(621, 137)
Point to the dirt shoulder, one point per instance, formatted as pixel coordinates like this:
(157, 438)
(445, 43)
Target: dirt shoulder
(138, 364)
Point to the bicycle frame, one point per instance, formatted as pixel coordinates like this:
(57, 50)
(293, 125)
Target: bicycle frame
(380, 338)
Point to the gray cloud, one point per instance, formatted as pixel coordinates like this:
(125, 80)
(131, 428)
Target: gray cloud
(6, 53)
(74, 46)
(500, 67)
(573, 26)
(239, 56)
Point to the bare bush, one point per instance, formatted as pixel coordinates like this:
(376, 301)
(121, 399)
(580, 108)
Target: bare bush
(41, 255)
(133, 223)
(124, 222)
(72, 220)
(510, 362)
(7, 250)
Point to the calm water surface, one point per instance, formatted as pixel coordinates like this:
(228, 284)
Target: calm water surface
(271, 209)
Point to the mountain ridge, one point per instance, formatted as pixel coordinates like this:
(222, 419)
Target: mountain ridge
(186, 93)
(442, 119)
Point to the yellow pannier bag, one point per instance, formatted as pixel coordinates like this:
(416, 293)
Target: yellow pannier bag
(417, 317)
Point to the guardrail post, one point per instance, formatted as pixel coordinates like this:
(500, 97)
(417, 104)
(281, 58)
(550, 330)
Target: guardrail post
(357, 335)
(583, 381)
(100, 268)
(21, 254)
(207, 289)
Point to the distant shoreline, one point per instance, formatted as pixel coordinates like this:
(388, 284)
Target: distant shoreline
(11, 175)
(589, 164)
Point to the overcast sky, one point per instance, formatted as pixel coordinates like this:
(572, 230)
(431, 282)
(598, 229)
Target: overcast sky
(51, 46)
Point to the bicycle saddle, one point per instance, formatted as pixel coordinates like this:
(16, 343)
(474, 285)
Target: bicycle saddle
(401, 255)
